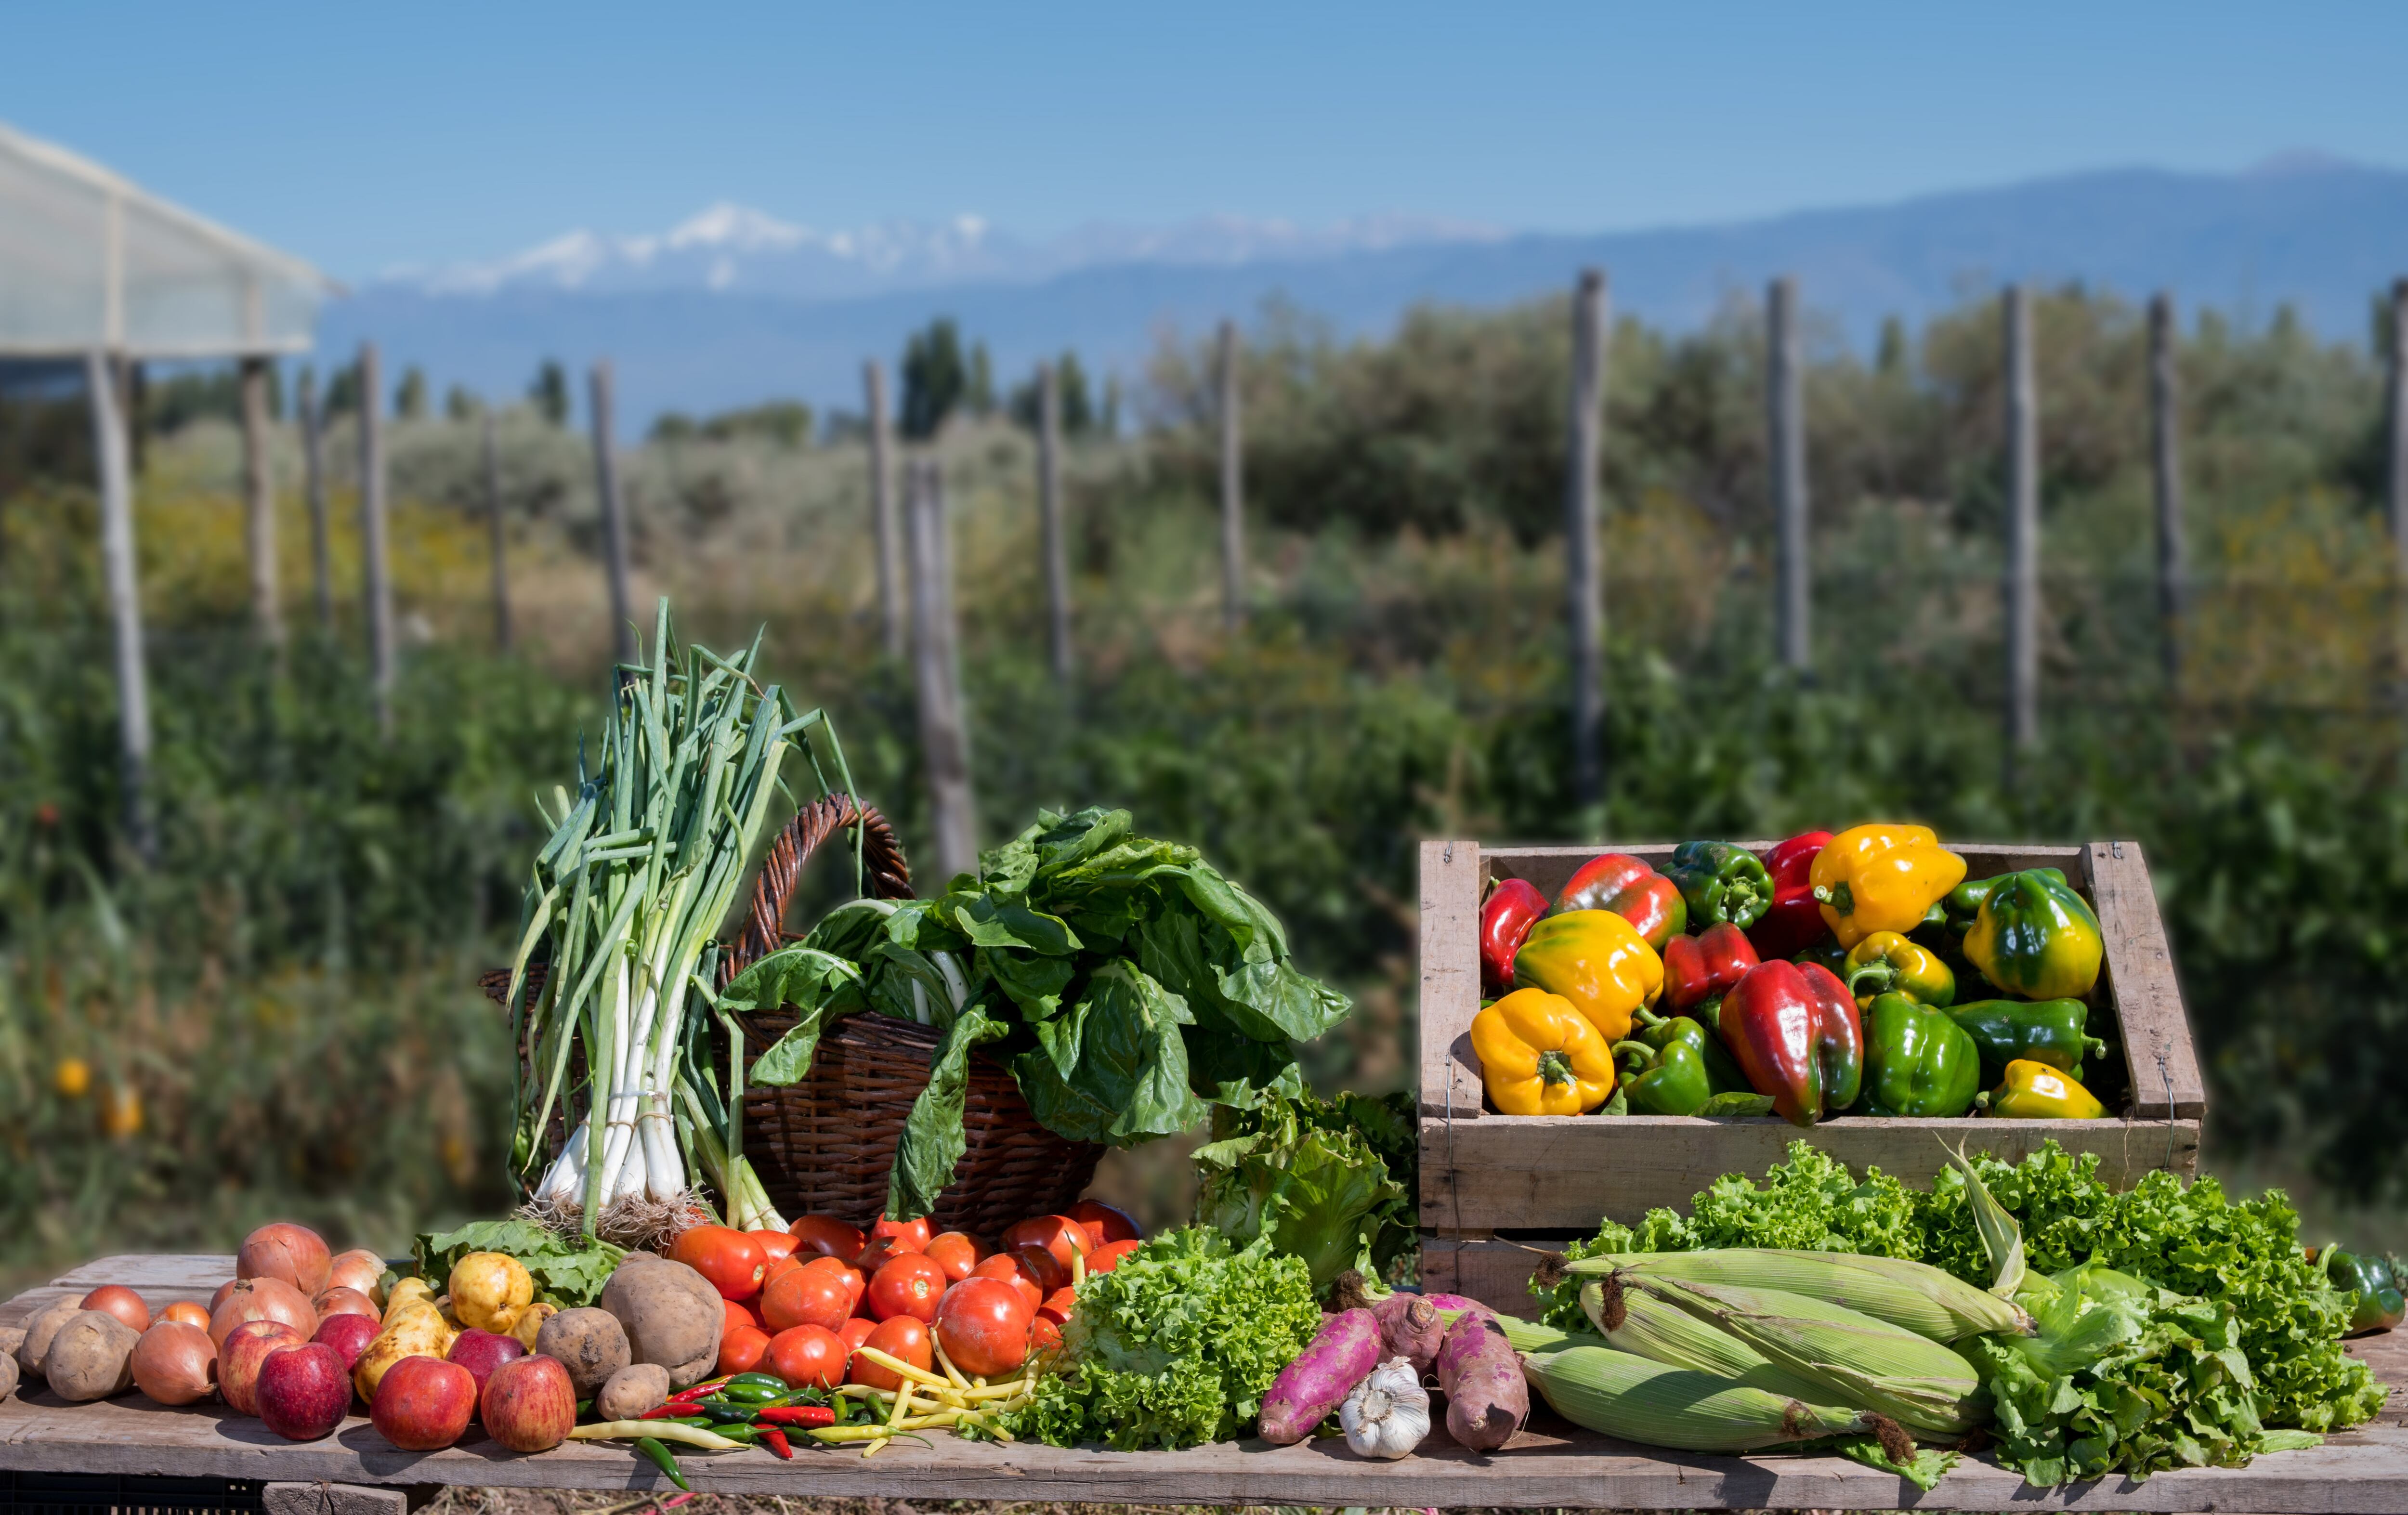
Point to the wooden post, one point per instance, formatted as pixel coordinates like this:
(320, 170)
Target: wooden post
(313, 483)
(944, 734)
(614, 521)
(2165, 461)
(881, 510)
(1232, 487)
(125, 596)
(493, 517)
(1049, 507)
(259, 505)
(1785, 427)
(372, 541)
(1581, 550)
(2023, 527)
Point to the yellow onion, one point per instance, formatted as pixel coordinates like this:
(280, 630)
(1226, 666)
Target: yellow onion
(282, 1249)
(176, 1364)
(262, 1299)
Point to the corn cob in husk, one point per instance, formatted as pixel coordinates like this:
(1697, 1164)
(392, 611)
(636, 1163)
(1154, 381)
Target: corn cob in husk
(1857, 1359)
(1913, 1296)
(1626, 1395)
(1645, 1326)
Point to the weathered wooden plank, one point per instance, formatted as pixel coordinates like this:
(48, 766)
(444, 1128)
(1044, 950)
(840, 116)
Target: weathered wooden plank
(2139, 973)
(1552, 1173)
(1450, 986)
(1493, 1270)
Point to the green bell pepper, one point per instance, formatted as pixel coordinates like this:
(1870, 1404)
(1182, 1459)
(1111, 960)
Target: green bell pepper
(1887, 962)
(1721, 881)
(2052, 1031)
(1658, 1032)
(2033, 936)
(1669, 1079)
(1917, 1061)
(2376, 1281)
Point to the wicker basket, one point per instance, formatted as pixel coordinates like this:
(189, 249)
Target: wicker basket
(825, 1144)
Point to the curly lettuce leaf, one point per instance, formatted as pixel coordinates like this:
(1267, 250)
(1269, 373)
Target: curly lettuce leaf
(1300, 1173)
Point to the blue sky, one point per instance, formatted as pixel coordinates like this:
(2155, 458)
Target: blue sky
(367, 138)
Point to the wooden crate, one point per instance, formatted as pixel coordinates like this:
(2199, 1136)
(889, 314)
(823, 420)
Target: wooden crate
(1533, 1177)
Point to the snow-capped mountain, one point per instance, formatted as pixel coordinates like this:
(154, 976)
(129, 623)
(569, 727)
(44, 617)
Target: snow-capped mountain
(736, 248)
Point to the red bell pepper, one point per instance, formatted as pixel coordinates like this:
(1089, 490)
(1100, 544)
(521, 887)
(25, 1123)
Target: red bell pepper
(1506, 916)
(1794, 919)
(1795, 1033)
(1630, 889)
(1703, 967)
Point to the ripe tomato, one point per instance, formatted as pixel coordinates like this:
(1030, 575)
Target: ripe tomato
(1058, 1305)
(828, 1237)
(774, 1245)
(984, 1323)
(1043, 1334)
(851, 1277)
(741, 1348)
(1108, 1256)
(853, 1334)
(882, 1250)
(1057, 1233)
(1105, 1224)
(806, 1296)
(912, 1235)
(731, 1260)
(957, 1254)
(1005, 1268)
(902, 1338)
(910, 1285)
(1040, 1267)
(808, 1357)
(738, 1315)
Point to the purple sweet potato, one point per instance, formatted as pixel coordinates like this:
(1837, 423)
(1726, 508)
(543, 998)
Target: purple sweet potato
(1410, 1327)
(1487, 1399)
(1451, 1302)
(1307, 1390)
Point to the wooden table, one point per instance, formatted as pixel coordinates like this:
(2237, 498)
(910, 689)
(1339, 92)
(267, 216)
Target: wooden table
(1551, 1464)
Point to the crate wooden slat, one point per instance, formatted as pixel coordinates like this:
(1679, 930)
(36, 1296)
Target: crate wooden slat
(1484, 1172)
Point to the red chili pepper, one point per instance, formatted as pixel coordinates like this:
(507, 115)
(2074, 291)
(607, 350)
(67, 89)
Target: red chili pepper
(1705, 966)
(1505, 917)
(1794, 922)
(802, 1415)
(1793, 1031)
(774, 1441)
(665, 1411)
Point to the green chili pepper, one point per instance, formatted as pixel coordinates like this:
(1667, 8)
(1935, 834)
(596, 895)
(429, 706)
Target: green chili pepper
(752, 1393)
(720, 1413)
(662, 1458)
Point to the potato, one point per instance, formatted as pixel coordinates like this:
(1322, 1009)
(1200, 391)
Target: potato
(588, 1342)
(92, 1357)
(417, 1331)
(531, 1322)
(489, 1289)
(32, 1353)
(8, 1373)
(404, 1292)
(631, 1390)
(672, 1316)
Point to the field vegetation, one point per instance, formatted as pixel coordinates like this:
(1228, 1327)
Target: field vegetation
(279, 1015)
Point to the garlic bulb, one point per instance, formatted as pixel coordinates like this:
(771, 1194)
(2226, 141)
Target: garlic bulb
(1388, 1413)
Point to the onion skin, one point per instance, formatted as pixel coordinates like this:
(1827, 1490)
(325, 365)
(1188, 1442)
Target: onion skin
(361, 1269)
(219, 1298)
(281, 1250)
(176, 1364)
(122, 1302)
(263, 1299)
(188, 1312)
(339, 1300)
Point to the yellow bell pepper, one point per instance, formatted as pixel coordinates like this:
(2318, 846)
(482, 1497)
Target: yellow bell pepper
(1597, 960)
(2036, 1092)
(1882, 876)
(1539, 1056)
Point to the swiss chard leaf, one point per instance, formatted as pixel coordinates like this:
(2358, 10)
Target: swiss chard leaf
(1130, 1079)
(1036, 984)
(988, 923)
(564, 1277)
(798, 975)
(933, 1140)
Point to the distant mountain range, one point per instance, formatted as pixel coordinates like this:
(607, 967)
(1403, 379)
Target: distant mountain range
(735, 306)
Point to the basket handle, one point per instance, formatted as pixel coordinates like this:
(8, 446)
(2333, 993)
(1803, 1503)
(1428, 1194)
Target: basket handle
(885, 874)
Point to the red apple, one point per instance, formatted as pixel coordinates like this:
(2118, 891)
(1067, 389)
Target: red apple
(348, 1335)
(481, 1351)
(529, 1404)
(303, 1391)
(423, 1404)
(246, 1349)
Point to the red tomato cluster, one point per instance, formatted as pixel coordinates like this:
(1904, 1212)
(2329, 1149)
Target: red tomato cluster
(801, 1302)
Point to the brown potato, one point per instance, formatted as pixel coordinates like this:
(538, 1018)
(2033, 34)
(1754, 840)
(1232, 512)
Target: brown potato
(92, 1357)
(588, 1342)
(672, 1316)
(33, 1353)
(631, 1390)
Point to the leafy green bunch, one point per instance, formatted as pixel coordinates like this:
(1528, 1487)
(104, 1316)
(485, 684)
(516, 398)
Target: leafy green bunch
(1175, 1346)
(564, 1275)
(1125, 982)
(1327, 1180)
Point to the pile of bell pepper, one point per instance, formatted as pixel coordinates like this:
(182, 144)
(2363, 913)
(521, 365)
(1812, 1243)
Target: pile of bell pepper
(1818, 978)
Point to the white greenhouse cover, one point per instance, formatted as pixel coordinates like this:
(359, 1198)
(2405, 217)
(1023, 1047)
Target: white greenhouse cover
(89, 261)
